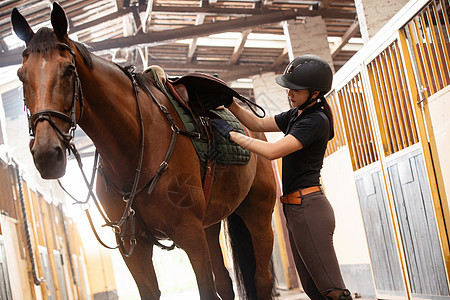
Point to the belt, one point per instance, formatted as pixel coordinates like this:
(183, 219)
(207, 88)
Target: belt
(296, 197)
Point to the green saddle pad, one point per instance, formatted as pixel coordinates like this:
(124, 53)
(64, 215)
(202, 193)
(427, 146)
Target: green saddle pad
(221, 150)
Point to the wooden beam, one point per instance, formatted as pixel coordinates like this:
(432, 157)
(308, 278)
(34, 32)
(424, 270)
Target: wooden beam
(281, 58)
(119, 4)
(3, 45)
(208, 67)
(101, 20)
(193, 44)
(9, 58)
(324, 4)
(148, 15)
(168, 36)
(351, 31)
(327, 13)
(245, 72)
(172, 35)
(137, 20)
(239, 47)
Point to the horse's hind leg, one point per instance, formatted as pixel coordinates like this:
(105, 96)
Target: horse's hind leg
(222, 279)
(141, 267)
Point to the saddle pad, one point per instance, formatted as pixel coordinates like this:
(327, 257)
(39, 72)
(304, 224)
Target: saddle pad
(221, 150)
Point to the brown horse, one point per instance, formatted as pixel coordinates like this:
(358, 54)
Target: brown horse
(55, 70)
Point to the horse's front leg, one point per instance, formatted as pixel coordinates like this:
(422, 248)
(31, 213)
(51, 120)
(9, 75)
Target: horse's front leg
(221, 276)
(192, 239)
(141, 267)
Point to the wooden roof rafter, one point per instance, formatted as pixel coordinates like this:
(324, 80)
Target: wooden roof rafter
(144, 28)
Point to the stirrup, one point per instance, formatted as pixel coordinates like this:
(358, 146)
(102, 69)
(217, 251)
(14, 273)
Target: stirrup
(339, 294)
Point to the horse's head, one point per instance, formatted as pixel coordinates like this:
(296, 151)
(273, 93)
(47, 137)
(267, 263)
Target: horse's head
(51, 89)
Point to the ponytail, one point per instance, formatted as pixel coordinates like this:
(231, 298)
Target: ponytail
(327, 110)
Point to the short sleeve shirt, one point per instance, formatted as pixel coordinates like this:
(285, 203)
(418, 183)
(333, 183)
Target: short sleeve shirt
(312, 128)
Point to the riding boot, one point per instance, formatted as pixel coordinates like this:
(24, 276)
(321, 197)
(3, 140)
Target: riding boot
(339, 295)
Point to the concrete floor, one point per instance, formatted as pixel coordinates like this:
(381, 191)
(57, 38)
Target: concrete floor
(294, 294)
(297, 294)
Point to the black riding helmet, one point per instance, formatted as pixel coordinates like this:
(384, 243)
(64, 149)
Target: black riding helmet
(307, 72)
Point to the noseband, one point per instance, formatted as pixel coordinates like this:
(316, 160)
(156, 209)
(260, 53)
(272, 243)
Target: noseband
(48, 114)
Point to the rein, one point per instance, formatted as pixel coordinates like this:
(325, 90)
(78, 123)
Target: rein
(128, 216)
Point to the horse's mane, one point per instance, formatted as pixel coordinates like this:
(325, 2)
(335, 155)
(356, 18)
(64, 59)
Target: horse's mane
(45, 41)
(144, 80)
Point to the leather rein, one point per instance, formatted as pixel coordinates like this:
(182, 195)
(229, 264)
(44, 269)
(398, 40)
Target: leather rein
(128, 217)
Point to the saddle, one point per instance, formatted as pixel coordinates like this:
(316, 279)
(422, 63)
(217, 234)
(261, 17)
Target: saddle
(197, 98)
(202, 92)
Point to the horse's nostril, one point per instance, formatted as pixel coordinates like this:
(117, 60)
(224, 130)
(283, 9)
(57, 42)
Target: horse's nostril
(59, 153)
(31, 145)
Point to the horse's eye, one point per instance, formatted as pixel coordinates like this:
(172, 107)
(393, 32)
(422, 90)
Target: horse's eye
(25, 54)
(70, 69)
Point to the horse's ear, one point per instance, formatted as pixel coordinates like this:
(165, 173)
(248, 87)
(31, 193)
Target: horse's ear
(21, 26)
(59, 21)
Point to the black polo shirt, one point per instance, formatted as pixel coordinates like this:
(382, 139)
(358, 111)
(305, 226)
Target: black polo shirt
(312, 128)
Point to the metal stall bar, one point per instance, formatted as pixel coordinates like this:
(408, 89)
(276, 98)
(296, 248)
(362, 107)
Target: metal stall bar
(429, 90)
(365, 122)
(338, 141)
(351, 134)
(435, 42)
(408, 109)
(359, 122)
(371, 138)
(441, 30)
(382, 100)
(395, 105)
(380, 108)
(432, 55)
(354, 125)
(390, 101)
(411, 35)
(397, 86)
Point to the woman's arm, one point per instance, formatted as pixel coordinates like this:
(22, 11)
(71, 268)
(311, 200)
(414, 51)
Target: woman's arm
(251, 121)
(280, 148)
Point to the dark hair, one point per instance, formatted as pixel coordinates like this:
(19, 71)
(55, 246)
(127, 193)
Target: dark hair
(327, 110)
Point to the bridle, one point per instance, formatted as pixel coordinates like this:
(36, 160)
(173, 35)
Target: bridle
(119, 228)
(49, 114)
(128, 216)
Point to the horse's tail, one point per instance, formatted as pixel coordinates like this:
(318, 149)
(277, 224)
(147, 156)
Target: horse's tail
(243, 256)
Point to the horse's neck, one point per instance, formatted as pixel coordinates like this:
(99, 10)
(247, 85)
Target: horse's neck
(109, 111)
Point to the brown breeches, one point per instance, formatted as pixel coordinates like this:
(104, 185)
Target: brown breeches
(311, 227)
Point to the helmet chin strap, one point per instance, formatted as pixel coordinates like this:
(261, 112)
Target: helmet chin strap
(308, 101)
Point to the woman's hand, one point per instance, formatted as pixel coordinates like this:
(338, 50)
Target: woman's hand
(222, 127)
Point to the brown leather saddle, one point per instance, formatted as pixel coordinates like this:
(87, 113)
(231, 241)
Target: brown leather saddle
(202, 92)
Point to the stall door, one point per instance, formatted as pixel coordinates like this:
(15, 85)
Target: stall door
(380, 233)
(417, 222)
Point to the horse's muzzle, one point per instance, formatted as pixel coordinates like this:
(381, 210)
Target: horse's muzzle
(50, 160)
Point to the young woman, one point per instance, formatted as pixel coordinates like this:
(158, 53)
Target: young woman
(308, 127)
